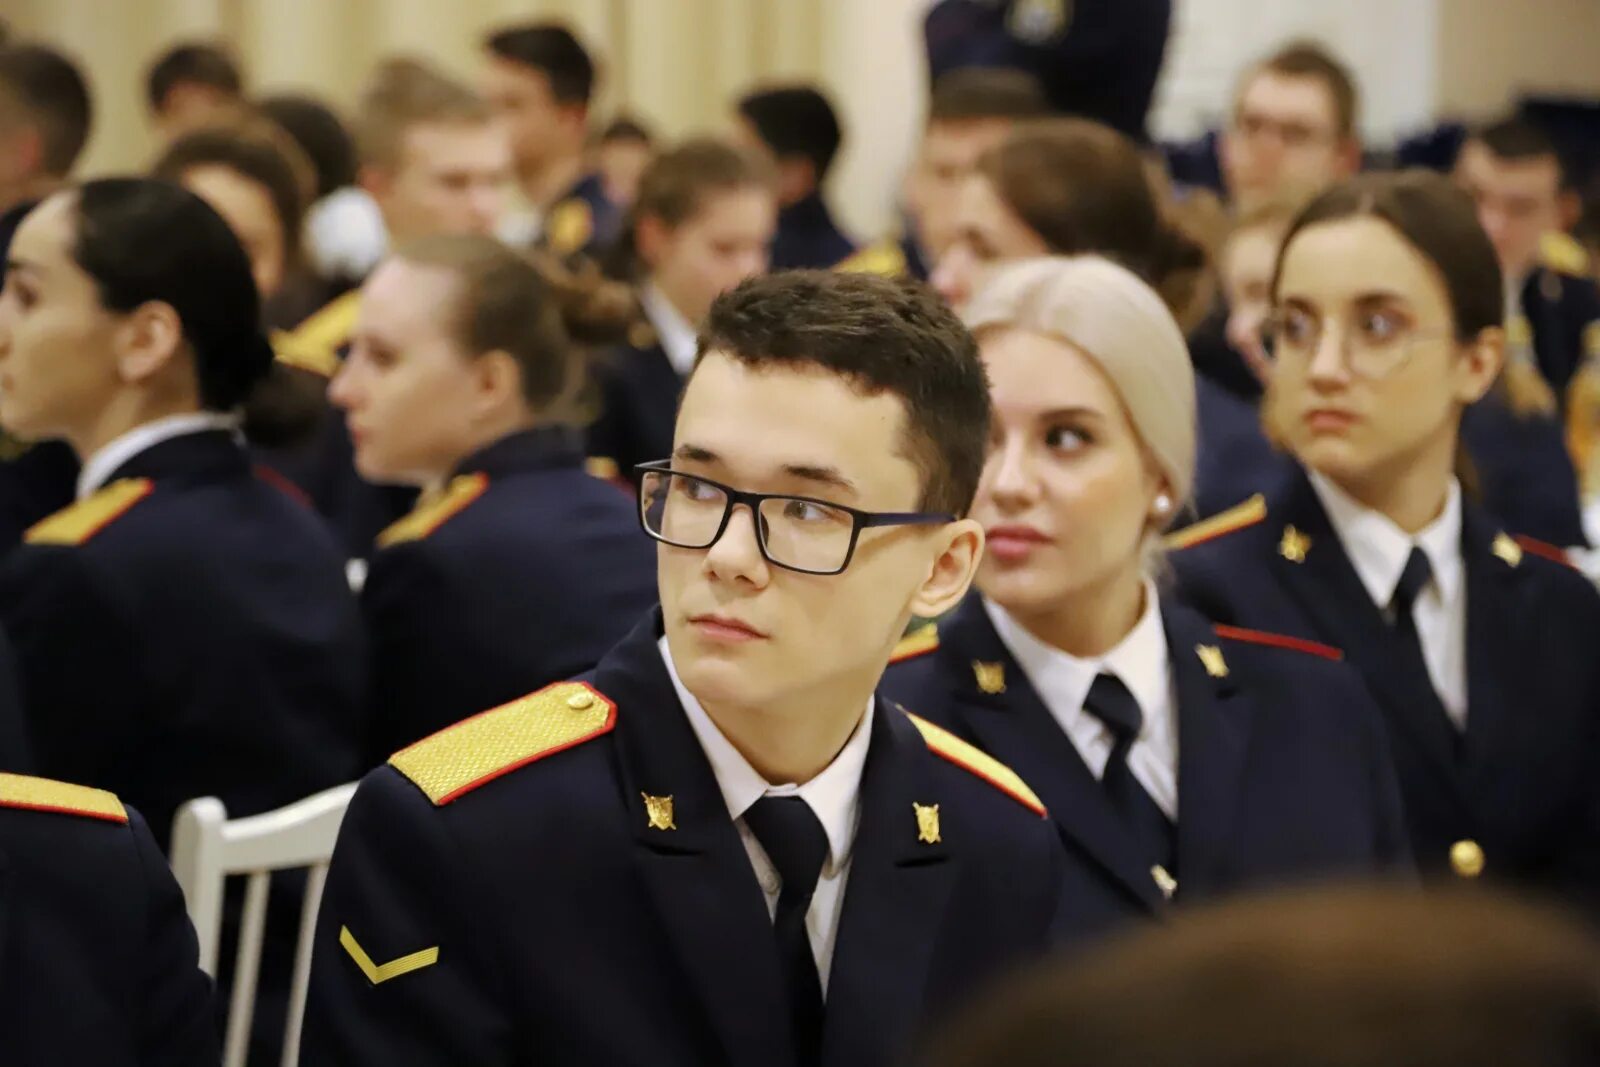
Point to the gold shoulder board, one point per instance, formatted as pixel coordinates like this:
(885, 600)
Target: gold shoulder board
(1235, 518)
(429, 515)
(946, 744)
(916, 643)
(883, 258)
(77, 523)
(42, 794)
(1562, 252)
(314, 344)
(570, 226)
(475, 751)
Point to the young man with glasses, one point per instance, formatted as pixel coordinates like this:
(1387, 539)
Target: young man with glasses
(722, 846)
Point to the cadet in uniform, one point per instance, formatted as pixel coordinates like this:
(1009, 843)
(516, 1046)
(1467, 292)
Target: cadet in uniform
(969, 112)
(798, 128)
(703, 222)
(721, 847)
(1179, 760)
(540, 80)
(1477, 645)
(463, 378)
(101, 965)
(435, 162)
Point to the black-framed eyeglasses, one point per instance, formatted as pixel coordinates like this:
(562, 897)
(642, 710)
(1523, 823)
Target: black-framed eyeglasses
(797, 533)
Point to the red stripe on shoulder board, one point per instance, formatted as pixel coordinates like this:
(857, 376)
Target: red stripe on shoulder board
(1297, 644)
(1547, 551)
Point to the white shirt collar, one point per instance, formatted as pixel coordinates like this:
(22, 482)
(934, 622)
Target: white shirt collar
(677, 337)
(1378, 549)
(1140, 660)
(833, 795)
(98, 468)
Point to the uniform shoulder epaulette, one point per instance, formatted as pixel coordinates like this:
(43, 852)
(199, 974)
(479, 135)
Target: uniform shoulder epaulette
(942, 742)
(916, 643)
(570, 226)
(314, 344)
(43, 794)
(476, 751)
(885, 258)
(1542, 549)
(76, 523)
(433, 513)
(1562, 252)
(1271, 640)
(1235, 518)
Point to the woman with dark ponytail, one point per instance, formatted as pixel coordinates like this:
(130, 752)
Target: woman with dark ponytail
(184, 629)
(467, 378)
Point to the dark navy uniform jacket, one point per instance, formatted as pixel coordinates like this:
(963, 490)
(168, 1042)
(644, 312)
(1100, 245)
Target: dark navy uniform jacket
(524, 573)
(1516, 796)
(808, 237)
(97, 957)
(1234, 458)
(533, 908)
(187, 631)
(583, 222)
(1560, 307)
(35, 483)
(16, 751)
(1096, 58)
(639, 390)
(1525, 474)
(1284, 772)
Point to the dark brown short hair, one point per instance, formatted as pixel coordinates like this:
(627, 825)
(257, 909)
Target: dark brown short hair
(1307, 59)
(530, 307)
(969, 94)
(51, 95)
(1436, 218)
(192, 63)
(881, 335)
(554, 51)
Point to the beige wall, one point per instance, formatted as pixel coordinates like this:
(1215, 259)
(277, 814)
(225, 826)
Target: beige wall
(677, 63)
(1490, 51)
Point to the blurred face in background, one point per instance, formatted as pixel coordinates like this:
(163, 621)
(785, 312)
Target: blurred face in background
(1068, 492)
(988, 233)
(724, 242)
(189, 106)
(1519, 201)
(407, 389)
(621, 163)
(950, 150)
(450, 178)
(1246, 273)
(247, 207)
(1284, 137)
(541, 128)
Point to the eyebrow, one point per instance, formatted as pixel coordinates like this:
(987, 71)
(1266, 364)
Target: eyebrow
(12, 263)
(1072, 411)
(809, 472)
(1372, 296)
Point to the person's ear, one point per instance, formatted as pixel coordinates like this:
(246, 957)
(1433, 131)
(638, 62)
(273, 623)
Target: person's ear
(146, 341)
(376, 181)
(1569, 208)
(1479, 365)
(797, 179)
(497, 380)
(21, 153)
(960, 550)
(1349, 157)
(651, 236)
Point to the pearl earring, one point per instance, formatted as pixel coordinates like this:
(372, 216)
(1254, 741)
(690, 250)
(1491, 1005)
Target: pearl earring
(1163, 504)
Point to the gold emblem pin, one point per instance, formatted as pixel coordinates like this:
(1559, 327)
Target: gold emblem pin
(659, 812)
(927, 823)
(1294, 545)
(991, 677)
(1507, 549)
(1164, 881)
(1211, 658)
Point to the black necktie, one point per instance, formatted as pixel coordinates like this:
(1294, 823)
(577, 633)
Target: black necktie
(1408, 643)
(1111, 703)
(794, 840)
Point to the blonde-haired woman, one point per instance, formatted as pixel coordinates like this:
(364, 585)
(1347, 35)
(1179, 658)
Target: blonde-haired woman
(1069, 666)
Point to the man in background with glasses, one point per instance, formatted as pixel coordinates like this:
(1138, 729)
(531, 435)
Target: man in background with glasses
(722, 846)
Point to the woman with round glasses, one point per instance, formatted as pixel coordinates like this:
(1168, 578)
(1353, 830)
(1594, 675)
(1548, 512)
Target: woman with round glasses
(1478, 646)
(1178, 760)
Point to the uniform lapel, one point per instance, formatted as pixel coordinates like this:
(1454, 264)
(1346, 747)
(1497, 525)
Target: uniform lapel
(692, 859)
(894, 902)
(1496, 635)
(1214, 720)
(1326, 585)
(1017, 728)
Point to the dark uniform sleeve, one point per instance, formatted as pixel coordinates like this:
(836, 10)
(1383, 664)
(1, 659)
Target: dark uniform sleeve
(403, 973)
(178, 1024)
(16, 753)
(1392, 839)
(79, 659)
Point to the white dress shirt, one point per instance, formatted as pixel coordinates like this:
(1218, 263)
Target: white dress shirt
(99, 468)
(1378, 550)
(833, 795)
(1141, 662)
(677, 337)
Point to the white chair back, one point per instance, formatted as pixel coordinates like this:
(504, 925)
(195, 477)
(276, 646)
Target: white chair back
(207, 848)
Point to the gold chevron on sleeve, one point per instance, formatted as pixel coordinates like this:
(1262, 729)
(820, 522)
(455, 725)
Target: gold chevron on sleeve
(377, 974)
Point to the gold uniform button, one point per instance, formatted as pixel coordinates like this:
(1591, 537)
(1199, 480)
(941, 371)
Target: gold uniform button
(580, 701)
(1466, 859)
